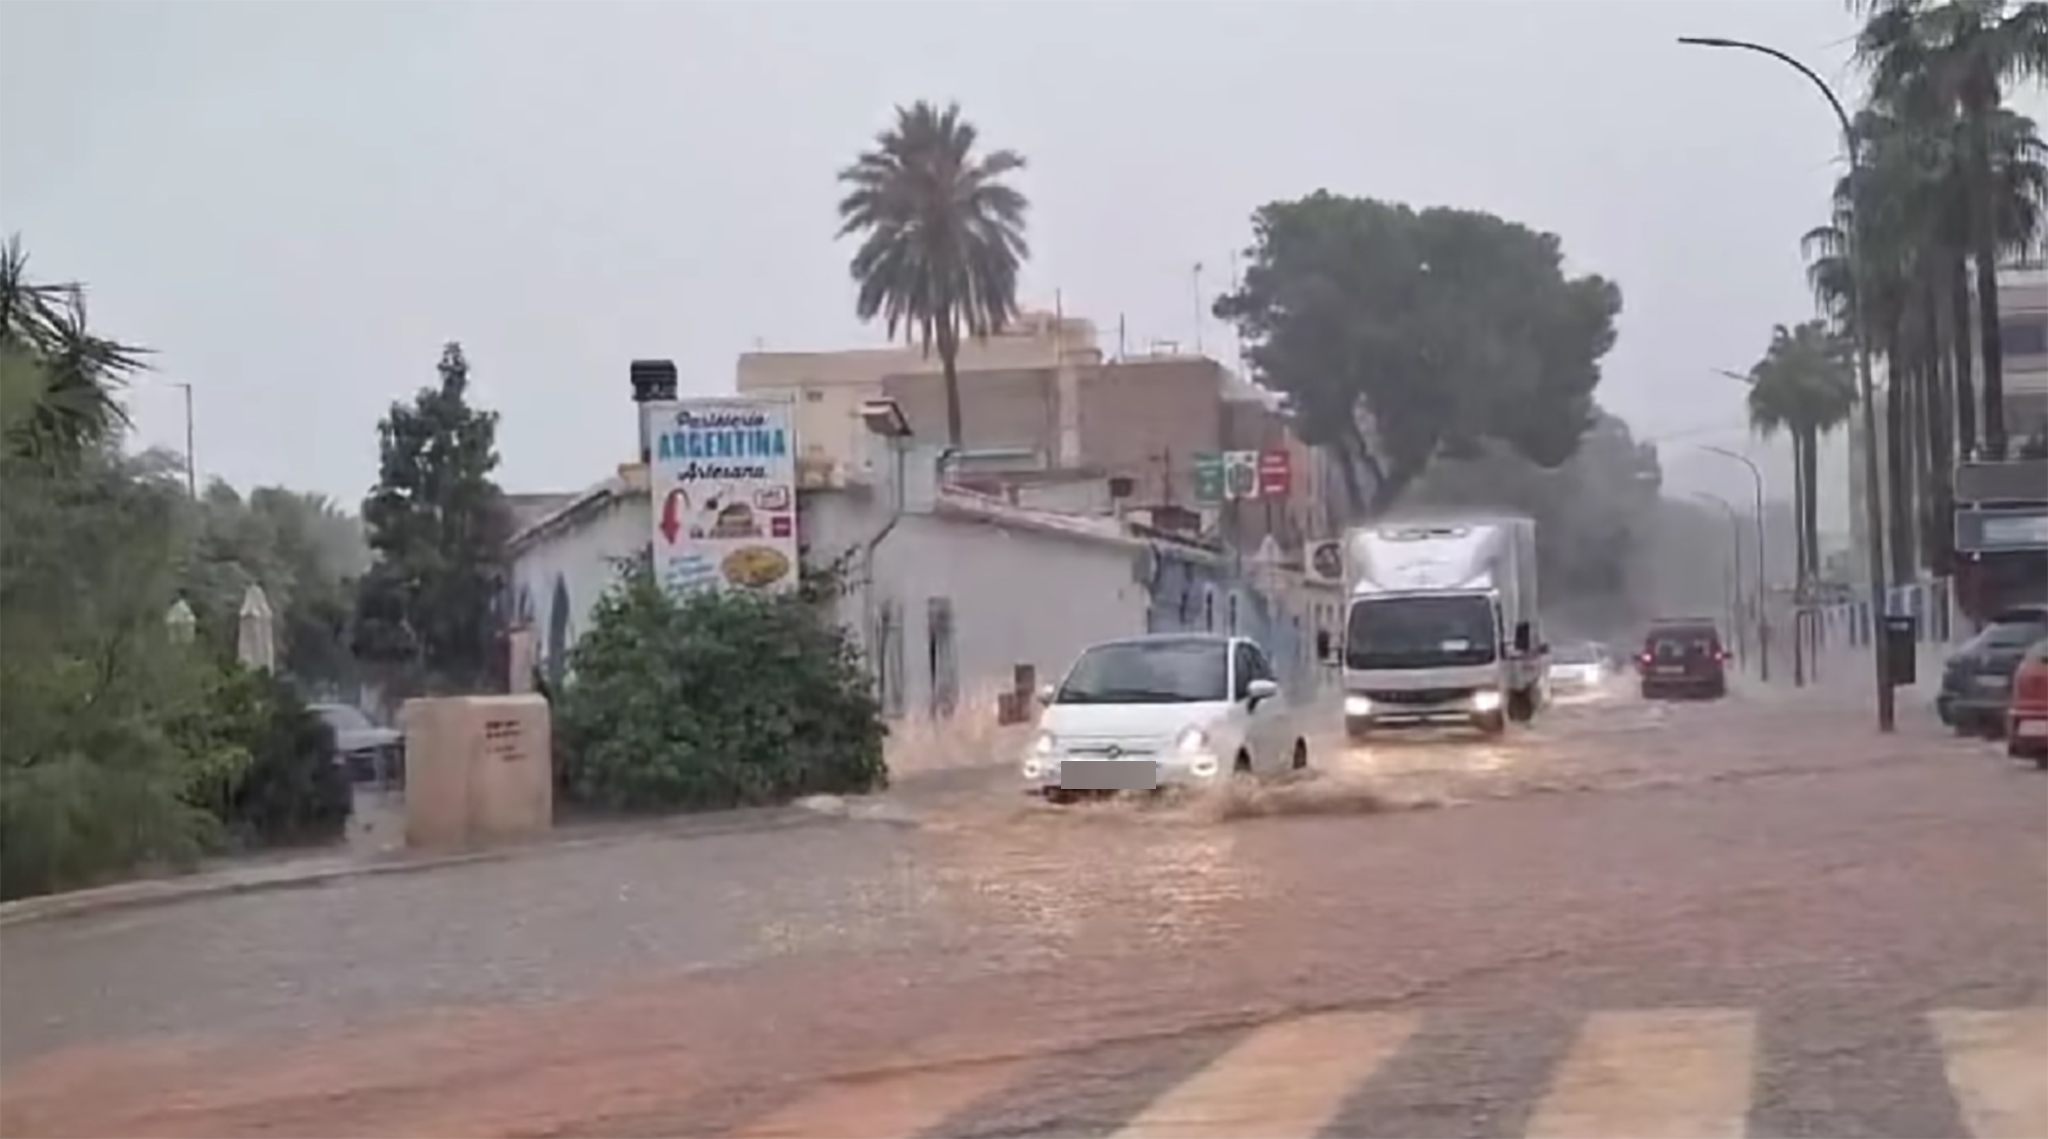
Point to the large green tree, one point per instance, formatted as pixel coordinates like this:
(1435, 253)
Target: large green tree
(1805, 387)
(426, 611)
(942, 236)
(1955, 61)
(1402, 335)
(305, 553)
(1594, 513)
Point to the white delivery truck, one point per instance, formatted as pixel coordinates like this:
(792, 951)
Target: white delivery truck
(1440, 624)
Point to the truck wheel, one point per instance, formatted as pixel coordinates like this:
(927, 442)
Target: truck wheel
(1492, 724)
(1521, 707)
(1357, 730)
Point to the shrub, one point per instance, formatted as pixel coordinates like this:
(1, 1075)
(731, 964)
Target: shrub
(714, 700)
(292, 791)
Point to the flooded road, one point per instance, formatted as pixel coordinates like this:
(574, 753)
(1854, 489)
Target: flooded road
(1440, 936)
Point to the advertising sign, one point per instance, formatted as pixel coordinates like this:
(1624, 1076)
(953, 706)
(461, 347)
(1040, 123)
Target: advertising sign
(1276, 473)
(1208, 477)
(722, 476)
(1240, 474)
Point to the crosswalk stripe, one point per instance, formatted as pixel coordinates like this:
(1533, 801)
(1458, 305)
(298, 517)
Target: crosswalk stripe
(1284, 1081)
(1997, 1065)
(1684, 1074)
(885, 1107)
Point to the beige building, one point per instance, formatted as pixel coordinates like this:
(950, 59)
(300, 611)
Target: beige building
(1064, 419)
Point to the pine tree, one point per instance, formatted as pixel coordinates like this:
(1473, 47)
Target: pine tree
(427, 609)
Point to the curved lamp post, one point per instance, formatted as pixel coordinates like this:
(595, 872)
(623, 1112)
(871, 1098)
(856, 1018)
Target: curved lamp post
(1734, 571)
(1873, 515)
(1763, 624)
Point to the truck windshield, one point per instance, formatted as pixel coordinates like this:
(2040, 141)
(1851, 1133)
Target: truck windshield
(1420, 632)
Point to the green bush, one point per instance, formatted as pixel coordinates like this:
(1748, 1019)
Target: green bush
(99, 772)
(291, 791)
(715, 700)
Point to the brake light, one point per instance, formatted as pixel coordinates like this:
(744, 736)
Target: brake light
(2031, 685)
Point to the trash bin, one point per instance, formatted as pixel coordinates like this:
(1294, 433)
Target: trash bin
(1901, 648)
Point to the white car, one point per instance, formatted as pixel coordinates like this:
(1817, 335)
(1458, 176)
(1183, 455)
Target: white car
(1578, 668)
(1167, 710)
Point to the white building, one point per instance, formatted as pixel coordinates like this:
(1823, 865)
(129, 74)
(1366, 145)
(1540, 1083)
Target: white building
(955, 601)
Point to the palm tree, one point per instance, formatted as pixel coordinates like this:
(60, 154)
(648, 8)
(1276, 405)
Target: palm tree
(73, 375)
(1912, 250)
(1804, 387)
(1963, 54)
(943, 236)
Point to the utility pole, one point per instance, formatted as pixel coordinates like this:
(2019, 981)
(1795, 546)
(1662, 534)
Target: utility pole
(1873, 514)
(191, 463)
(1197, 284)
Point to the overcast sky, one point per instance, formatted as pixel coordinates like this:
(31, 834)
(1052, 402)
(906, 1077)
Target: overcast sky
(296, 204)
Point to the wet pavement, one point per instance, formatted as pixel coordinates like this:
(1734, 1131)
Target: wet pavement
(1747, 917)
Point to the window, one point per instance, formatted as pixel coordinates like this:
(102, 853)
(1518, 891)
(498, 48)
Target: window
(889, 658)
(2024, 336)
(1209, 610)
(1245, 669)
(945, 686)
(1230, 611)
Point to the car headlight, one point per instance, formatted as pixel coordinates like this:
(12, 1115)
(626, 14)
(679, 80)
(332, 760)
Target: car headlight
(1486, 700)
(1045, 744)
(1194, 741)
(1357, 706)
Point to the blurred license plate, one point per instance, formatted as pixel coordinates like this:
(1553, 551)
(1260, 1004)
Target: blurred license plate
(1993, 682)
(1671, 670)
(2031, 728)
(1109, 775)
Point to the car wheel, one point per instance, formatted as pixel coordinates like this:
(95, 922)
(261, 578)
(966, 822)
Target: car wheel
(1058, 796)
(1242, 767)
(1492, 725)
(1300, 755)
(1356, 730)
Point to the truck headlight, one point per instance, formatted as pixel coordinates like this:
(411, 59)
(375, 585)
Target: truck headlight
(1194, 741)
(1357, 706)
(1486, 700)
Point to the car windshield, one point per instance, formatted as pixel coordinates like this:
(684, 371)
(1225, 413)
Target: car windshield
(1420, 632)
(1578, 654)
(1149, 672)
(2014, 634)
(343, 718)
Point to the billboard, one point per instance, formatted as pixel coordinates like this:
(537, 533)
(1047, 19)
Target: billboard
(722, 478)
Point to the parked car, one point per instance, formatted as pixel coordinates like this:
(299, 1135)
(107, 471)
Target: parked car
(1683, 657)
(2026, 730)
(1164, 710)
(372, 753)
(1976, 681)
(1578, 668)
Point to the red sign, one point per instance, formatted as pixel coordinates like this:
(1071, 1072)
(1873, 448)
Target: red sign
(1276, 473)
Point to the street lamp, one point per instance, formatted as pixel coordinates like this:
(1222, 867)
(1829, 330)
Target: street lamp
(1734, 572)
(1872, 514)
(1763, 625)
(1802, 554)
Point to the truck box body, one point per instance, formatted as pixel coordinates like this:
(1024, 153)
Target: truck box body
(1432, 611)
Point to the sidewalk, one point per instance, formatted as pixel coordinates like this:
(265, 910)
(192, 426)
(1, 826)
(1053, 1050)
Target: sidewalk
(338, 863)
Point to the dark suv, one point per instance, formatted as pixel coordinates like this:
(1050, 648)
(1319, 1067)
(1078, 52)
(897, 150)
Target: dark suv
(1683, 658)
(1976, 683)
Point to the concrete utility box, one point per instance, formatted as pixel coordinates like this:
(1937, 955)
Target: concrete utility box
(478, 770)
